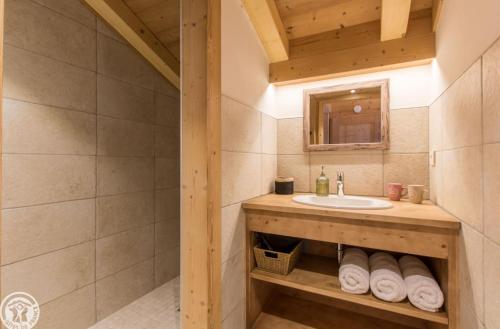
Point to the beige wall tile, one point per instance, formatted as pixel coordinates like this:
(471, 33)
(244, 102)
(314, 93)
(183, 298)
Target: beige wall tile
(233, 231)
(163, 86)
(491, 159)
(118, 213)
(37, 179)
(409, 130)
(122, 288)
(236, 319)
(269, 134)
(462, 185)
(461, 120)
(71, 8)
(117, 137)
(436, 125)
(167, 173)
(241, 127)
(121, 175)
(167, 204)
(42, 80)
(167, 235)
(363, 172)
(167, 142)
(123, 100)
(104, 28)
(32, 128)
(242, 176)
(167, 266)
(32, 231)
(120, 61)
(36, 28)
(167, 110)
(296, 166)
(117, 252)
(269, 172)
(406, 169)
(491, 98)
(77, 308)
(471, 273)
(290, 136)
(436, 179)
(492, 284)
(233, 289)
(50, 276)
(467, 317)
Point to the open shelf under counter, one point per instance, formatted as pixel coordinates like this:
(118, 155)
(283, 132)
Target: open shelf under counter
(319, 275)
(285, 312)
(421, 230)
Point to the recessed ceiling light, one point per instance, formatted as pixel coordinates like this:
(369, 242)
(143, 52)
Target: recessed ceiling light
(353, 91)
(357, 109)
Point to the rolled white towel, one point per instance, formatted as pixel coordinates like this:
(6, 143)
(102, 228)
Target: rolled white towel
(423, 290)
(386, 281)
(354, 274)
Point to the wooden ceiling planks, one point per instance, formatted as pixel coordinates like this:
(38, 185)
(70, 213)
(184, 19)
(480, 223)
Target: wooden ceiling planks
(162, 17)
(355, 50)
(307, 17)
(332, 38)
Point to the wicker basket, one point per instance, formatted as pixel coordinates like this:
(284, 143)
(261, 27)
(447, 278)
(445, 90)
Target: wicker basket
(277, 262)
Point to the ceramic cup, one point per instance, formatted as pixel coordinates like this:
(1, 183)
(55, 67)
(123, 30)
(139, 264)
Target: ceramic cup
(416, 193)
(396, 191)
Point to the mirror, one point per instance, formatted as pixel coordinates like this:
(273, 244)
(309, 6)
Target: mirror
(347, 117)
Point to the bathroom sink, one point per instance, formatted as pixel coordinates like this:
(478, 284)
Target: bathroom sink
(345, 202)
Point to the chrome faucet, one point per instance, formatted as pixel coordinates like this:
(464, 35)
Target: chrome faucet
(340, 183)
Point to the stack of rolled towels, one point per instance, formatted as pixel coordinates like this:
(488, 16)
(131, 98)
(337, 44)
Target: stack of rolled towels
(390, 280)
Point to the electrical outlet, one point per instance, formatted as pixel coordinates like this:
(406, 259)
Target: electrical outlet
(432, 158)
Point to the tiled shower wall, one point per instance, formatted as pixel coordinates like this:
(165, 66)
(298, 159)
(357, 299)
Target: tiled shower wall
(90, 190)
(248, 170)
(465, 133)
(366, 172)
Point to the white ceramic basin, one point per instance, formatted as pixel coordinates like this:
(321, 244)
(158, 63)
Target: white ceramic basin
(345, 202)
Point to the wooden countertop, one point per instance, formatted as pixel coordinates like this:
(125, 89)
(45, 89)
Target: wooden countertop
(402, 212)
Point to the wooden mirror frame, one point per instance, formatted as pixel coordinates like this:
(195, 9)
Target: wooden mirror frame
(384, 116)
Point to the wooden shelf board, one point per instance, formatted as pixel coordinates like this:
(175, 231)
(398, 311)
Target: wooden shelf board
(319, 275)
(285, 312)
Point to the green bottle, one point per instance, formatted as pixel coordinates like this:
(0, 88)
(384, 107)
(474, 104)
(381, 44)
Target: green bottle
(322, 184)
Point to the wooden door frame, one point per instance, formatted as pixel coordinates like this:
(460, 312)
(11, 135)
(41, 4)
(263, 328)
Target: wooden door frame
(200, 164)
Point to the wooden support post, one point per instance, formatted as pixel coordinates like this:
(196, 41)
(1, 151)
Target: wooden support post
(200, 165)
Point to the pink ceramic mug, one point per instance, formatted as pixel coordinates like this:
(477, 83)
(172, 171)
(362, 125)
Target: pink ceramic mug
(396, 191)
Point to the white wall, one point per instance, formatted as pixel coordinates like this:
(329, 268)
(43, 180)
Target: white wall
(466, 29)
(244, 61)
(409, 88)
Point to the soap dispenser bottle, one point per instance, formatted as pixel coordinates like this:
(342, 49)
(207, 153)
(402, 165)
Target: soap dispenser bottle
(322, 184)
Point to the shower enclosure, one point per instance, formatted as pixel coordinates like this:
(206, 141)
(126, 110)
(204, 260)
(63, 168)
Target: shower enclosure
(90, 188)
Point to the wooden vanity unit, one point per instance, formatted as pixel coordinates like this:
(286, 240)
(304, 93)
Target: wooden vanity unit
(310, 296)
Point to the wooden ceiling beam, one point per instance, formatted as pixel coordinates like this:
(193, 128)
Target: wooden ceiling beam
(394, 22)
(267, 22)
(356, 50)
(437, 5)
(132, 29)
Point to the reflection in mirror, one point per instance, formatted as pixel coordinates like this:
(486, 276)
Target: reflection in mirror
(346, 117)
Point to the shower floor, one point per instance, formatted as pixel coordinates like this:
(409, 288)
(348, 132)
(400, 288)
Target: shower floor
(159, 309)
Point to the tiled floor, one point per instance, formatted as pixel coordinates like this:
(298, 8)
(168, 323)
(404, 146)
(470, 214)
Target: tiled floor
(157, 310)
